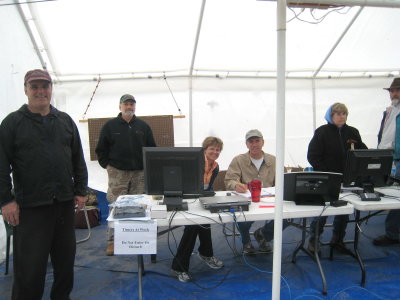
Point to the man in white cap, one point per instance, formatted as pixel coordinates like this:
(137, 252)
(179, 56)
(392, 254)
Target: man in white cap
(42, 149)
(389, 138)
(119, 150)
(254, 164)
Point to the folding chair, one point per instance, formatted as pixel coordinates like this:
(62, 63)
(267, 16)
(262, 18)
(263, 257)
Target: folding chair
(9, 233)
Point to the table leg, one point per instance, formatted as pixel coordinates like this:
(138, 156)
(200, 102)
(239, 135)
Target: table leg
(356, 238)
(140, 273)
(303, 238)
(314, 256)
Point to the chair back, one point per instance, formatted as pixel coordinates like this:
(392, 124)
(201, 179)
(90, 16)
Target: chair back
(219, 184)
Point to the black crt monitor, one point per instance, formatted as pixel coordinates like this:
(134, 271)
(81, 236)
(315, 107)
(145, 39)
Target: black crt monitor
(313, 188)
(174, 172)
(366, 169)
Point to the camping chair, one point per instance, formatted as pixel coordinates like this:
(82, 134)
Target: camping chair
(85, 209)
(9, 233)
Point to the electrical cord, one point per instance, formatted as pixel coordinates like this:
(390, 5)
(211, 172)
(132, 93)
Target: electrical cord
(316, 19)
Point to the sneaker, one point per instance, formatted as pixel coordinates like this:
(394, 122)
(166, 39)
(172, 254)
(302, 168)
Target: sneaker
(248, 249)
(212, 261)
(384, 240)
(182, 276)
(110, 249)
(262, 243)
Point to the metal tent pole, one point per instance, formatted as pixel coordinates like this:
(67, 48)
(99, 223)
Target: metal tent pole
(280, 146)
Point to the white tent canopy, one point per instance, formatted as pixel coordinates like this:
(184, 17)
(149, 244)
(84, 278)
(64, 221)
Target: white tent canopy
(140, 38)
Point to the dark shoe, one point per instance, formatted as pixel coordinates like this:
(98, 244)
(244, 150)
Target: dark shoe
(262, 243)
(338, 244)
(248, 249)
(384, 240)
(311, 247)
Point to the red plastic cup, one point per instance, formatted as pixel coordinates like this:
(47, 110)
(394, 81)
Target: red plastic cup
(255, 189)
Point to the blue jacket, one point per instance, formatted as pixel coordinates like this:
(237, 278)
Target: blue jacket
(396, 154)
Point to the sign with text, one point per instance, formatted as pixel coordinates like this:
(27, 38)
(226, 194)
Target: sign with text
(135, 237)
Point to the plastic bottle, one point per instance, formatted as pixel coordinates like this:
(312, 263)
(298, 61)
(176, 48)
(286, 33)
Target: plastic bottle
(393, 172)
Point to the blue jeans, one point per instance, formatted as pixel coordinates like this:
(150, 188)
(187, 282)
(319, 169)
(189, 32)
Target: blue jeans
(392, 224)
(339, 226)
(267, 230)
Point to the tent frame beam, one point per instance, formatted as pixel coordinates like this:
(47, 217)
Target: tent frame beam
(323, 4)
(196, 42)
(31, 35)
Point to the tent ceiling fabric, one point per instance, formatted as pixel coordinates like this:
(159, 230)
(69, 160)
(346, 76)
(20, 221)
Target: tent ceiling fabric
(237, 37)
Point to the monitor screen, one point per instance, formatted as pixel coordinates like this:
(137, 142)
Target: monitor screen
(367, 168)
(175, 172)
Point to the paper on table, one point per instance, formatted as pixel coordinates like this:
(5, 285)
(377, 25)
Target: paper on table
(268, 195)
(265, 193)
(132, 200)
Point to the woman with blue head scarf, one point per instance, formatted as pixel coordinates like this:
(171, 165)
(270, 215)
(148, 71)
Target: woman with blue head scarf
(327, 152)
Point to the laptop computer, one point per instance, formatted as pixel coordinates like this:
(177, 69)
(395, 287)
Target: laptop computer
(225, 203)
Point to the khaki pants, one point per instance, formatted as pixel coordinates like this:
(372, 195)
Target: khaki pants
(123, 182)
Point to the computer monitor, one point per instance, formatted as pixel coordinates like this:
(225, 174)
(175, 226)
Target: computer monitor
(366, 168)
(313, 188)
(175, 172)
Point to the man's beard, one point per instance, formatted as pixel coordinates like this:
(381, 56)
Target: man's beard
(395, 102)
(128, 113)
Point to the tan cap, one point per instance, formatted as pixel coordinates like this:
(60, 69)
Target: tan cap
(253, 133)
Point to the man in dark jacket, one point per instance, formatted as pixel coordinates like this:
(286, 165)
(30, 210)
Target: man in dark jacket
(119, 150)
(42, 149)
(327, 152)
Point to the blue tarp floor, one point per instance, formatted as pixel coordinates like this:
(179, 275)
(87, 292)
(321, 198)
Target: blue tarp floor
(98, 276)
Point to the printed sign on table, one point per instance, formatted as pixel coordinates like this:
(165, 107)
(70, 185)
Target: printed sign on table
(135, 237)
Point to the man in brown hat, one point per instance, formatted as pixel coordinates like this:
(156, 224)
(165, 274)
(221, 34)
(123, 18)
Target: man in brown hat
(389, 138)
(119, 150)
(41, 147)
